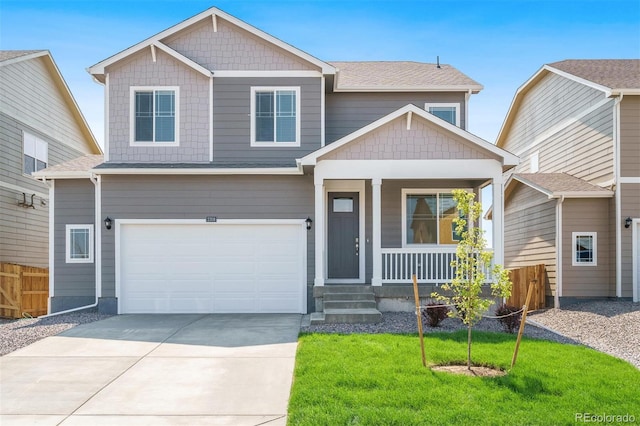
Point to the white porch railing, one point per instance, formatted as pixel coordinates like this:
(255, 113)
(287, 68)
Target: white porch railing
(430, 264)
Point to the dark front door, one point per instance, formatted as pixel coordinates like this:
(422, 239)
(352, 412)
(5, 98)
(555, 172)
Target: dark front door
(343, 245)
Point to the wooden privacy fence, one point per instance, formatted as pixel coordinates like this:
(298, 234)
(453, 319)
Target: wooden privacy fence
(24, 291)
(521, 279)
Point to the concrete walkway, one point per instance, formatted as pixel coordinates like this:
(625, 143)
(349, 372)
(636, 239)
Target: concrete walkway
(233, 369)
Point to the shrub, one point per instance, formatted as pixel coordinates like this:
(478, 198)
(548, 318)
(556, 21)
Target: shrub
(435, 313)
(509, 323)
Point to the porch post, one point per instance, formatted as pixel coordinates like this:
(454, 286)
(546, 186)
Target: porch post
(376, 240)
(498, 220)
(319, 231)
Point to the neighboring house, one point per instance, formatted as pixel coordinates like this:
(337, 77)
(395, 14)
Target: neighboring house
(40, 125)
(242, 174)
(574, 201)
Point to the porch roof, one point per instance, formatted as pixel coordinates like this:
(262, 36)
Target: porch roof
(556, 185)
(507, 159)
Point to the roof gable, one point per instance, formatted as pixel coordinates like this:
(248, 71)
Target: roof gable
(9, 57)
(410, 133)
(605, 75)
(212, 17)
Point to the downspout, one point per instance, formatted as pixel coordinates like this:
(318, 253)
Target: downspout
(51, 186)
(97, 182)
(618, 200)
(556, 298)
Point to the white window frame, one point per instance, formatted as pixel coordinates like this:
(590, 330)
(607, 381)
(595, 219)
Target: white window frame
(456, 106)
(70, 259)
(252, 116)
(36, 148)
(132, 115)
(422, 191)
(574, 236)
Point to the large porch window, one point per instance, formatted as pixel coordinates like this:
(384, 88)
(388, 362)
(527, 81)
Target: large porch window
(428, 217)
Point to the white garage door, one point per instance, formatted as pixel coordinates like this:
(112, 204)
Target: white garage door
(211, 267)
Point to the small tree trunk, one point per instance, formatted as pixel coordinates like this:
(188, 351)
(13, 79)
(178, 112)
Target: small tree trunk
(469, 347)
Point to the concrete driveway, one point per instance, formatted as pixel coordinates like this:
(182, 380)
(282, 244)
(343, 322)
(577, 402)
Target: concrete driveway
(233, 369)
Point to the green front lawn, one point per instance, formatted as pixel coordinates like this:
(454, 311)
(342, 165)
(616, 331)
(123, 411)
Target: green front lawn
(379, 380)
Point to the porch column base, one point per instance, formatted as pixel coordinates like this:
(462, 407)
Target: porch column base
(318, 282)
(376, 281)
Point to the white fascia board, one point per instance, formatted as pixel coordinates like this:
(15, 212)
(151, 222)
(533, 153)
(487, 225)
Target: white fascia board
(98, 69)
(266, 73)
(630, 92)
(474, 89)
(85, 174)
(180, 57)
(209, 171)
(508, 159)
(407, 169)
(583, 194)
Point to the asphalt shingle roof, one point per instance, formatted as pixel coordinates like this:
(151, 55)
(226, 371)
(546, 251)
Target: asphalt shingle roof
(400, 76)
(5, 55)
(558, 183)
(611, 73)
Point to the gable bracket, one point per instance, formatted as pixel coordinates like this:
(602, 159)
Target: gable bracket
(409, 116)
(214, 19)
(153, 53)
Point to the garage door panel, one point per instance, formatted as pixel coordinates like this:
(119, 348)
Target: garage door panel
(198, 268)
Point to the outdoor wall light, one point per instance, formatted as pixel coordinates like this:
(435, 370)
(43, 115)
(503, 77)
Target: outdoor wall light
(627, 222)
(308, 222)
(107, 222)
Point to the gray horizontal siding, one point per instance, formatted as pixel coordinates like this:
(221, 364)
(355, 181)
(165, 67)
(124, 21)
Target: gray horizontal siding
(29, 92)
(530, 232)
(630, 136)
(586, 215)
(195, 197)
(74, 205)
(24, 235)
(348, 112)
(232, 121)
(551, 101)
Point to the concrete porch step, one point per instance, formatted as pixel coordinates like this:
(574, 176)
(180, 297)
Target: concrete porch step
(346, 288)
(331, 297)
(350, 304)
(352, 316)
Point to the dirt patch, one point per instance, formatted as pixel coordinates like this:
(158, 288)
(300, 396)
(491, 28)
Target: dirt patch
(474, 372)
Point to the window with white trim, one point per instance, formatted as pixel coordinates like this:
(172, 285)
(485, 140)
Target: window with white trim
(35, 153)
(154, 116)
(427, 217)
(79, 244)
(449, 112)
(275, 116)
(585, 248)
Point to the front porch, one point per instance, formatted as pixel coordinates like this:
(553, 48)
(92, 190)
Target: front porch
(383, 202)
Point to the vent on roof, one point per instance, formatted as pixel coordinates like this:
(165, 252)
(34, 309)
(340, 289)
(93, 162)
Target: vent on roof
(437, 61)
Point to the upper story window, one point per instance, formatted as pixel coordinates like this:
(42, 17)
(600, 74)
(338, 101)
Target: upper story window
(35, 153)
(585, 248)
(275, 116)
(428, 217)
(447, 111)
(154, 118)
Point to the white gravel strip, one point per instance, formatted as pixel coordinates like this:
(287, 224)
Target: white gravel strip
(15, 334)
(610, 326)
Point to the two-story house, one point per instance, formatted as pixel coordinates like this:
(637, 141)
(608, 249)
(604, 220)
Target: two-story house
(574, 201)
(40, 125)
(242, 174)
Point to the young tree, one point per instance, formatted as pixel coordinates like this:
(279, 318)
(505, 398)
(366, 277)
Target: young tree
(471, 264)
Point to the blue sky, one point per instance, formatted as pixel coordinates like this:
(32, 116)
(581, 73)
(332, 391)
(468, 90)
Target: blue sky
(498, 43)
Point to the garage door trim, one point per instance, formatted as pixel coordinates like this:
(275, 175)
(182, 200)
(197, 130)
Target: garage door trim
(119, 223)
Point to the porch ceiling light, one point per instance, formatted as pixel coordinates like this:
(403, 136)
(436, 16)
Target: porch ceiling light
(107, 222)
(308, 222)
(627, 222)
